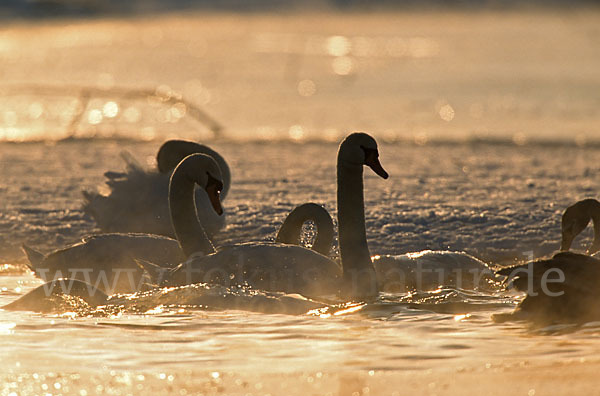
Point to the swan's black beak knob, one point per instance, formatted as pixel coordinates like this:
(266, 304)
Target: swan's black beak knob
(372, 161)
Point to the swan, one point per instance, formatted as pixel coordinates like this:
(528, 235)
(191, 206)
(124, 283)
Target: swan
(576, 218)
(106, 260)
(138, 201)
(425, 270)
(291, 229)
(73, 295)
(563, 289)
(294, 269)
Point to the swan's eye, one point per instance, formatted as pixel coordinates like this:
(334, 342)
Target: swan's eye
(370, 154)
(212, 181)
(372, 161)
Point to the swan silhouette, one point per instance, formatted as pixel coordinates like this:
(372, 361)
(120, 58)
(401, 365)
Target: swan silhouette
(576, 218)
(138, 201)
(107, 260)
(561, 289)
(294, 269)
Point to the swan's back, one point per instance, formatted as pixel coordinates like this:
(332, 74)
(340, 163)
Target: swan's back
(427, 270)
(580, 272)
(271, 267)
(107, 260)
(563, 288)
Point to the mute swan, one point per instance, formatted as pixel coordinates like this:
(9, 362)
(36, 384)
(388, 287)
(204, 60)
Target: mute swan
(107, 260)
(291, 229)
(425, 270)
(561, 289)
(574, 220)
(294, 269)
(138, 201)
(70, 294)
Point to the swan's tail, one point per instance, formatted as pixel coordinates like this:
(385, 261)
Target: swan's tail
(35, 258)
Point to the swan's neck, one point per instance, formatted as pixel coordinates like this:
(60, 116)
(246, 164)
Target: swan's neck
(594, 213)
(290, 231)
(188, 230)
(324, 238)
(359, 274)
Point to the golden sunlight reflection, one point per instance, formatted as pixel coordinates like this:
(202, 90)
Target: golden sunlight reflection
(35, 110)
(338, 46)
(156, 310)
(307, 88)
(342, 65)
(95, 116)
(341, 46)
(7, 328)
(345, 309)
(350, 309)
(110, 109)
(461, 317)
(446, 113)
(296, 132)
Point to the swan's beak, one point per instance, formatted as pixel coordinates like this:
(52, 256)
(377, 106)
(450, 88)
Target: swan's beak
(214, 197)
(372, 161)
(567, 239)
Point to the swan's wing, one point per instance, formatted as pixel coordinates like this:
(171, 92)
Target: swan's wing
(427, 270)
(159, 249)
(138, 202)
(264, 266)
(578, 271)
(570, 294)
(107, 261)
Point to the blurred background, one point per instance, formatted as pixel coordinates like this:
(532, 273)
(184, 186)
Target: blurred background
(509, 71)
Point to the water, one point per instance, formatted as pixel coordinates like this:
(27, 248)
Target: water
(485, 145)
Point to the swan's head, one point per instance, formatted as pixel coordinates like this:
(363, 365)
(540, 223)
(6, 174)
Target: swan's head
(574, 221)
(172, 152)
(204, 171)
(360, 149)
